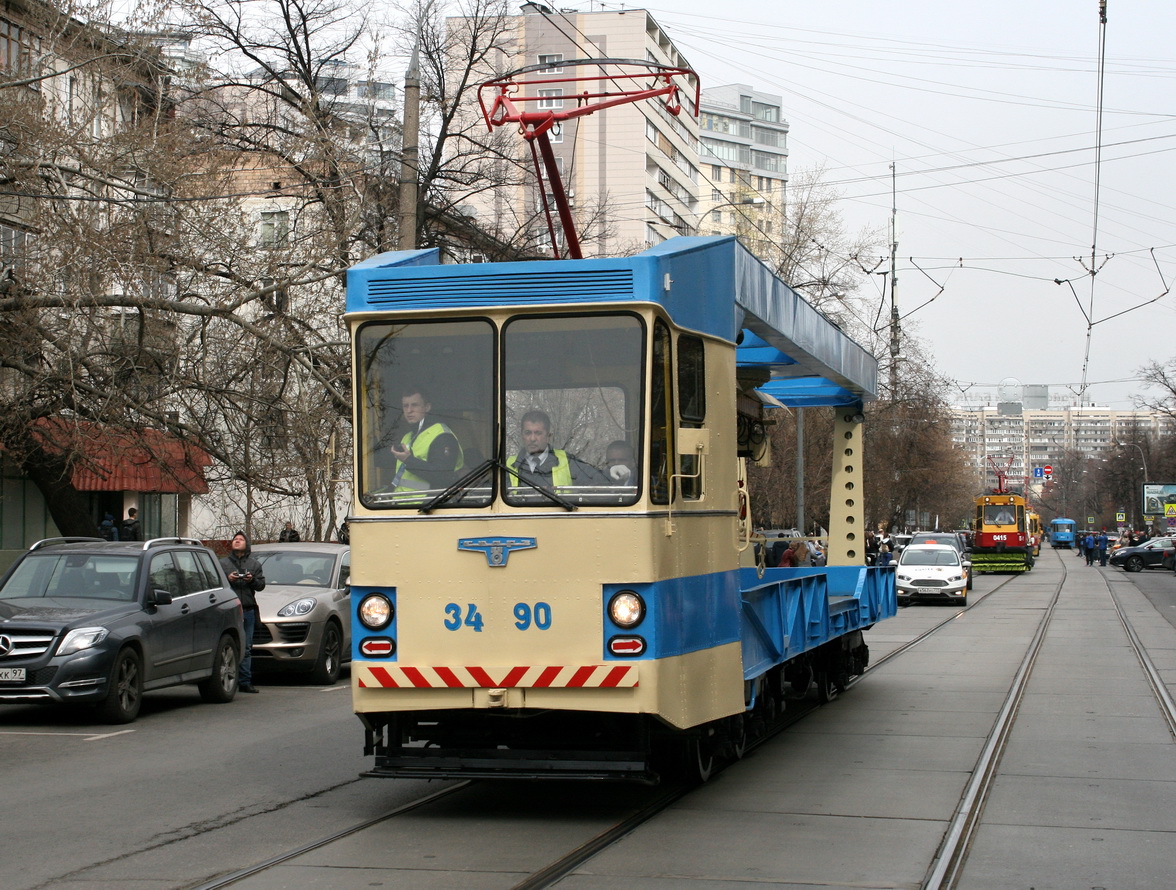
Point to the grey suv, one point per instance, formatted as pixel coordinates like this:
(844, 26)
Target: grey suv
(90, 621)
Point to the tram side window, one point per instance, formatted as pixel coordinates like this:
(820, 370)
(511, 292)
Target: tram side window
(425, 412)
(661, 417)
(692, 407)
(572, 391)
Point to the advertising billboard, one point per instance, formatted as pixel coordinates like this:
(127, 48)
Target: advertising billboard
(1159, 499)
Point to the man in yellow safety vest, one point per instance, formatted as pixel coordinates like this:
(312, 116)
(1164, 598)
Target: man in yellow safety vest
(545, 466)
(428, 456)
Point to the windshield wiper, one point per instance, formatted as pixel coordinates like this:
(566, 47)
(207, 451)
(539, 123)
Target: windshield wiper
(459, 486)
(473, 475)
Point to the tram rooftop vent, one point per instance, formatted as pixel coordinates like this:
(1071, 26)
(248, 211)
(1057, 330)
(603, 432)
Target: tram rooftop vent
(494, 290)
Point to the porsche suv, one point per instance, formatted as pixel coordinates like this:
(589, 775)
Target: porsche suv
(90, 621)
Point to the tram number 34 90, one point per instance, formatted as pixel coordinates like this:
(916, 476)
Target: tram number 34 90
(526, 616)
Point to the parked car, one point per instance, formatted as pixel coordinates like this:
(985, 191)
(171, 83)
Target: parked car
(931, 573)
(955, 540)
(89, 621)
(305, 620)
(1158, 553)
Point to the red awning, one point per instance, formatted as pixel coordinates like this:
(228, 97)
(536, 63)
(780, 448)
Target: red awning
(107, 459)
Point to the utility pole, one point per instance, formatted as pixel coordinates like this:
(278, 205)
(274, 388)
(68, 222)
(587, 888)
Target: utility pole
(894, 326)
(410, 144)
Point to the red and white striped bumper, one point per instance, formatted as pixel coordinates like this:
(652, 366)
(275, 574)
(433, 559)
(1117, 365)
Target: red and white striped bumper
(591, 676)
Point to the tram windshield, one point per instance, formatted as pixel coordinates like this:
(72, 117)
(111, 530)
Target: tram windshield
(545, 410)
(1002, 514)
(572, 388)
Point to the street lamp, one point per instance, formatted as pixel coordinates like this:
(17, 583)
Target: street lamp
(1143, 458)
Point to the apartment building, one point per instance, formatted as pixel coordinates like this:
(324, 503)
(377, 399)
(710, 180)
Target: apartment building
(743, 159)
(1022, 440)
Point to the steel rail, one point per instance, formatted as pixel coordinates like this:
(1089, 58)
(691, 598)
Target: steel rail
(234, 877)
(949, 859)
(1155, 681)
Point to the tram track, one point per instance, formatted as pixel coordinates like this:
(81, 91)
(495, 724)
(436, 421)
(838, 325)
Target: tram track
(944, 870)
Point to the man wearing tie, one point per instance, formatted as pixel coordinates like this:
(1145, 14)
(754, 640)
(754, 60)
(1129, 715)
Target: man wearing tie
(545, 466)
(428, 456)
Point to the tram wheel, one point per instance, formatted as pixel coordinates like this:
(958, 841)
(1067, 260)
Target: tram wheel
(737, 727)
(700, 759)
(828, 687)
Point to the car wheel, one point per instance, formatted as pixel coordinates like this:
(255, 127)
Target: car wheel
(222, 685)
(1133, 564)
(125, 693)
(330, 657)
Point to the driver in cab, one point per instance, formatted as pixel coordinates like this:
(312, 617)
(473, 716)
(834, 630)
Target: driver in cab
(546, 467)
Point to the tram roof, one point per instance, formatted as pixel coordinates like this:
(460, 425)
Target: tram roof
(713, 285)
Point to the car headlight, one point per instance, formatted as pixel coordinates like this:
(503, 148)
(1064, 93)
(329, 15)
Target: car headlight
(82, 638)
(904, 577)
(299, 607)
(375, 611)
(626, 609)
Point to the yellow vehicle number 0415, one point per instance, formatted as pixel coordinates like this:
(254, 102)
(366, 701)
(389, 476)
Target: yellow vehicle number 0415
(525, 614)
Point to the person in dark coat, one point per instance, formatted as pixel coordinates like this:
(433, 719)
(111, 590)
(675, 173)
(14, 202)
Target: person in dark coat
(289, 535)
(130, 526)
(246, 578)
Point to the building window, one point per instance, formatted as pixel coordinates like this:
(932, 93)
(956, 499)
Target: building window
(275, 228)
(551, 63)
(716, 173)
(552, 98)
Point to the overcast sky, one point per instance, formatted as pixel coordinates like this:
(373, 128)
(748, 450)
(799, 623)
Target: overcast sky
(988, 111)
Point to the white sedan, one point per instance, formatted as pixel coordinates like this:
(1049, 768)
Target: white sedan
(932, 573)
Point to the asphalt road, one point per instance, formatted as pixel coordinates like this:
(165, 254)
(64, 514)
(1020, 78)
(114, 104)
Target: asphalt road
(188, 791)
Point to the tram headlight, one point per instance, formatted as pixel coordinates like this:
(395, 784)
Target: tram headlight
(626, 609)
(375, 611)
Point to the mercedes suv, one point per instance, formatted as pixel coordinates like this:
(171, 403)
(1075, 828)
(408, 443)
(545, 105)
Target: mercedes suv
(89, 621)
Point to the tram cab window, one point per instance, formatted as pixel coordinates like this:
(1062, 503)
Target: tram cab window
(1003, 514)
(572, 399)
(426, 417)
(692, 407)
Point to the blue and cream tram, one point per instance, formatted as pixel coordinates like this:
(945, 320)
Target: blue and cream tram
(553, 564)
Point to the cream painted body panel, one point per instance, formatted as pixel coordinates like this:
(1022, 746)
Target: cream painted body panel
(574, 556)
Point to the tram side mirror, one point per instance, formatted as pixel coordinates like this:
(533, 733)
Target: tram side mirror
(694, 441)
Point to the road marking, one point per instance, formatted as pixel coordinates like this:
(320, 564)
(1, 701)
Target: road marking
(85, 736)
(334, 688)
(108, 735)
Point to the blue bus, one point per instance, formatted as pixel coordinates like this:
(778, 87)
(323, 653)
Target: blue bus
(1061, 533)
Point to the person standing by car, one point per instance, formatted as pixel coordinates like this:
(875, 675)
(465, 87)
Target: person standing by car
(289, 535)
(1101, 543)
(1088, 545)
(246, 578)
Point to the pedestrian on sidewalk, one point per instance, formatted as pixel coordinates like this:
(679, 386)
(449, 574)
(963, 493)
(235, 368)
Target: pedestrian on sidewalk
(1101, 543)
(1088, 546)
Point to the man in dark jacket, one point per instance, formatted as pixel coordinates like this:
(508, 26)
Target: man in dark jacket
(246, 578)
(130, 526)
